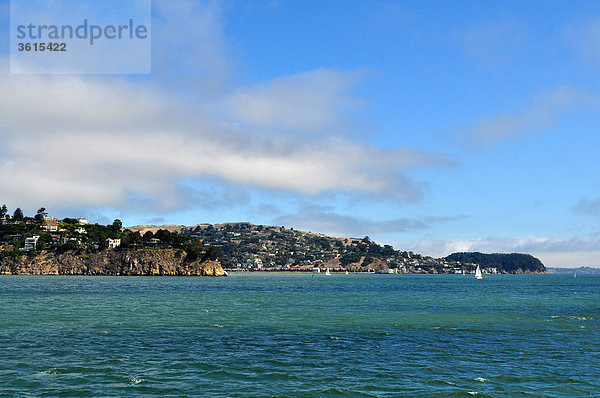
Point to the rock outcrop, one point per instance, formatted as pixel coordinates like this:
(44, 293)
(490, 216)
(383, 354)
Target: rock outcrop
(141, 262)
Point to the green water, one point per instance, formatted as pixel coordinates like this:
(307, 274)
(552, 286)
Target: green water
(299, 335)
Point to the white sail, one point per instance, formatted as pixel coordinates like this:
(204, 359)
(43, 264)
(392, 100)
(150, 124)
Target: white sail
(327, 272)
(478, 273)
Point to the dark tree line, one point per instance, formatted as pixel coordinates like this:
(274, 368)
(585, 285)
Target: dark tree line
(507, 262)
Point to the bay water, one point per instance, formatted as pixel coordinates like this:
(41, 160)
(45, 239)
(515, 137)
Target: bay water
(300, 335)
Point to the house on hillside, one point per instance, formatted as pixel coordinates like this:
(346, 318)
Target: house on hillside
(113, 243)
(50, 224)
(31, 243)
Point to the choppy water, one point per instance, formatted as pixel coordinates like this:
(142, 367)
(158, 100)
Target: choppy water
(295, 335)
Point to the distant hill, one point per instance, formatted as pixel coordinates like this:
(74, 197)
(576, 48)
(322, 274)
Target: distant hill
(142, 229)
(580, 271)
(244, 245)
(511, 263)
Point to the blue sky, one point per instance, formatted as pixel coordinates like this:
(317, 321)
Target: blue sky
(434, 126)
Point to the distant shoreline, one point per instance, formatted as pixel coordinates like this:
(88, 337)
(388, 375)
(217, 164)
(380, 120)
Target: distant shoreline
(310, 271)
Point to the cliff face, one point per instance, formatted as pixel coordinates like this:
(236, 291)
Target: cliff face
(162, 262)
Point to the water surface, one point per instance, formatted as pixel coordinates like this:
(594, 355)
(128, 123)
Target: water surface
(298, 335)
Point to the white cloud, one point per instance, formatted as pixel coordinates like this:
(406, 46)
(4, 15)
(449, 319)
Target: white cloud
(100, 142)
(309, 102)
(542, 114)
(553, 252)
(103, 142)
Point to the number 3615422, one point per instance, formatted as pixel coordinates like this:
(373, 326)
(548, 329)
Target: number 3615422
(42, 46)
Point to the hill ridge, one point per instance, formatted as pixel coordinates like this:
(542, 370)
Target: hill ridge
(243, 245)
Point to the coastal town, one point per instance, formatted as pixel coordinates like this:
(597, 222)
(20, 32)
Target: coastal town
(237, 246)
(245, 246)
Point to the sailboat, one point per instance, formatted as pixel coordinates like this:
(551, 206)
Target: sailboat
(346, 272)
(327, 272)
(575, 274)
(478, 273)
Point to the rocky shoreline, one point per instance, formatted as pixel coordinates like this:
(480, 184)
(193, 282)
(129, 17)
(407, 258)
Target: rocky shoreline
(134, 262)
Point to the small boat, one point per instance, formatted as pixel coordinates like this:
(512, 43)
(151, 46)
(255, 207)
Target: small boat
(478, 273)
(346, 272)
(575, 274)
(327, 272)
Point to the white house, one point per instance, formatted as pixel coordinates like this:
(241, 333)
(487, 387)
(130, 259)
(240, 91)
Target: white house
(31, 243)
(82, 221)
(113, 243)
(50, 224)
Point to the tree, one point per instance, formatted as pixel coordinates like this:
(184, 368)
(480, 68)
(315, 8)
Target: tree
(165, 236)
(148, 235)
(41, 213)
(117, 225)
(195, 250)
(367, 260)
(131, 238)
(3, 211)
(212, 253)
(18, 214)
(349, 258)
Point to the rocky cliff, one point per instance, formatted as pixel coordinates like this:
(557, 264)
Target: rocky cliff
(158, 262)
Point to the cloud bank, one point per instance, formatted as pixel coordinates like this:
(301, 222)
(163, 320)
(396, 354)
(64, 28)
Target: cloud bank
(87, 142)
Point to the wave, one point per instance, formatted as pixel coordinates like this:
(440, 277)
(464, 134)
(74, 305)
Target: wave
(572, 317)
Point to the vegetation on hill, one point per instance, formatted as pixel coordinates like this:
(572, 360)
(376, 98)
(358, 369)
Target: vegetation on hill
(239, 246)
(248, 246)
(80, 237)
(512, 263)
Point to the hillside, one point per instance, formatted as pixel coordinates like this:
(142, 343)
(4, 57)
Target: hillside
(237, 246)
(512, 263)
(258, 247)
(45, 245)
